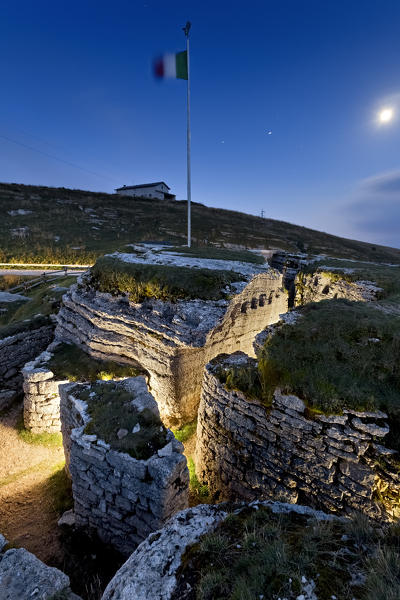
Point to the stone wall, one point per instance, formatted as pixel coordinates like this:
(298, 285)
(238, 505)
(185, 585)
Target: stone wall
(326, 285)
(172, 341)
(337, 463)
(41, 399)
(123, 498)
(15, 351)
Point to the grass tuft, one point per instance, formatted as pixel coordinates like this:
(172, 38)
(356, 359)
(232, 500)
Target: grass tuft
(72, 363)
(339, 355)
(198, 489)
(186, 432)
(49, 440)
(110, 410)
(259, 554)
(59, 489)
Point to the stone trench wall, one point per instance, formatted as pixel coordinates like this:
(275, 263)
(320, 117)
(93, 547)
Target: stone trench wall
(41, 399)
(337, 463)
(124, 499)
(171, 341)
(325, 286)
(15, 351)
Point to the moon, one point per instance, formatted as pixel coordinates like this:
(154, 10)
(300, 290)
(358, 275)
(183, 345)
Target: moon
(386, 115)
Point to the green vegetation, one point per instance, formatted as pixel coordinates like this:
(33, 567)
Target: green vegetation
(186, 432)
(199, 491)
(71, 362)
(45, 299)
(258, 554)
(142, 281)
(75, 226)
(24, 326)
(59, 490)
(111, 410)
(244, 379)
(339, 355)
(218, 254)
(49, 440)
(10, 281)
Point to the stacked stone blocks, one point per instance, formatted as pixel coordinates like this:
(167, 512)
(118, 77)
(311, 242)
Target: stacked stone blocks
(121, 497)
(338, 463)
(41, 400)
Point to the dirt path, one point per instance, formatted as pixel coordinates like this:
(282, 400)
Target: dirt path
(27, 517)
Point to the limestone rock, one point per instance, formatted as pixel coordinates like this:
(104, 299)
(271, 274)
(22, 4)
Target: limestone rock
(7, 397)
(322, 286)
(121, 433)
(67, 518)
(151, 570)
(25, 577)
(173, 341)
(370, 428)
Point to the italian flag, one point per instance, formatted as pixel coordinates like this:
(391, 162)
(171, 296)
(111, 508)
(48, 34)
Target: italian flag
(172, 65)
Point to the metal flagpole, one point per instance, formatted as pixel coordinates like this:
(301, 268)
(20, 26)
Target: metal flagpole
(186, 29)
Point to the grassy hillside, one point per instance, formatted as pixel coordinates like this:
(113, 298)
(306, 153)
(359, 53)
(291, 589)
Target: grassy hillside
(41, 224)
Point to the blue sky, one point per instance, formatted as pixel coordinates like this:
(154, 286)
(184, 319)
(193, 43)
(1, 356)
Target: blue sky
(78, 86)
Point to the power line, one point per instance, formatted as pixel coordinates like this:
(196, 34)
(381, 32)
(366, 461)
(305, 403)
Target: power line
(57, 158)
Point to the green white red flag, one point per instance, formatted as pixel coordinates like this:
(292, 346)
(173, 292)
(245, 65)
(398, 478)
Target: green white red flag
(172, 66)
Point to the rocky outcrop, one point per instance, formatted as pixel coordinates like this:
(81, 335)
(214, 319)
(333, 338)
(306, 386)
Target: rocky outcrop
(338, 463)
(327, 285)
(151, 571)
(122, 497)
(25, 577)
(172, 341)
(41, 399)
(15, 351)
